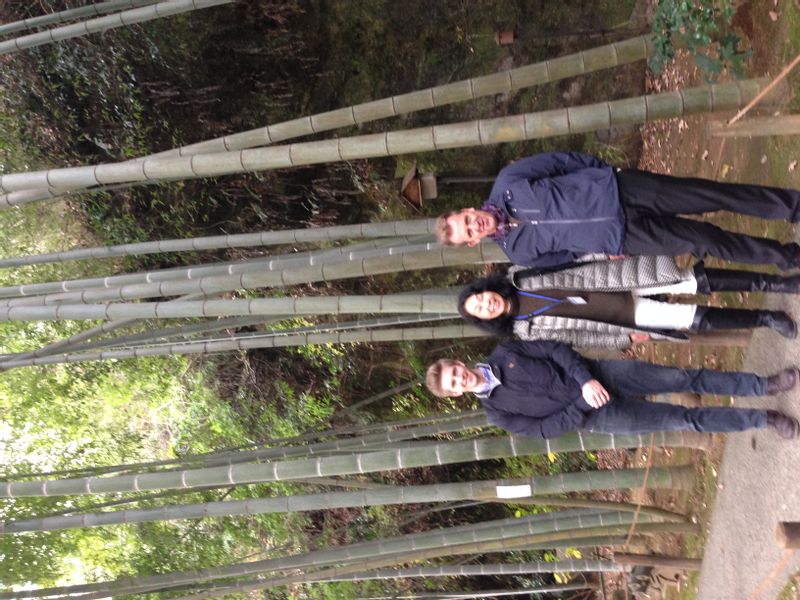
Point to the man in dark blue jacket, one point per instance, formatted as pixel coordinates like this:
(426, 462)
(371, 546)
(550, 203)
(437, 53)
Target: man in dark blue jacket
(551, 209)
(545, 389)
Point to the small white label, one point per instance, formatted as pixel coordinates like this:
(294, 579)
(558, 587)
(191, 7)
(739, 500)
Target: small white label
(513, 491)
(575, 300)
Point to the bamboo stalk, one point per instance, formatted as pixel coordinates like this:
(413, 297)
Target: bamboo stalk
(439, 256)
(653, 511)
(466, 419)
(89, 10)
(595, 59)
(680, 477)
(582, 119)
(156, 336)
(525, 568)
(243, 240)
(445, 332)
(443, 541)
(38, 293)
(426, 454)
(503, 593)
(506, 544)
(122, 19)
(413, 303)
(103, 328)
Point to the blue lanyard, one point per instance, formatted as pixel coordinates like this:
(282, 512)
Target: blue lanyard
(553, 302)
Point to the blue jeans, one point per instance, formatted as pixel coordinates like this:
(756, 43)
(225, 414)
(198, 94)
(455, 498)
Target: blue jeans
(628, 412)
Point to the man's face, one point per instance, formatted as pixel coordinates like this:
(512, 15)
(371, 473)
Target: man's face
(457, 378)
(469, 226)
(486, 305)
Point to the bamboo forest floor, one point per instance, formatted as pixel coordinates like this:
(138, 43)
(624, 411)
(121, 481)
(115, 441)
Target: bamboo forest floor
(749, 481)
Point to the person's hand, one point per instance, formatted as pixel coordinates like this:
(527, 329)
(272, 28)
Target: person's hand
(616, 256)
(640, 338)
(595, 394)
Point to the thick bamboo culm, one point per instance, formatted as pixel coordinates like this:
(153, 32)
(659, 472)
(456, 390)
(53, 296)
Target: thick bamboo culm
(505, 544)
(615, 54)
(129, 17)
(556, 69)
(482, 594)
(438, 256)
(671, 477)
(104, 328)
(389, 431)
(406, 334)
(373, 249)
(154, 338)
(582, 119)
(399, 543)
(414, 303)
(426, 454)
(587, 61)
(398, 229)
(559, 566)
(90, 10)
(435, 542)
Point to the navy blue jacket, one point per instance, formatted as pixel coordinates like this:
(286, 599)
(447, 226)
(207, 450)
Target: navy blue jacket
(568, 204)
(540, 391)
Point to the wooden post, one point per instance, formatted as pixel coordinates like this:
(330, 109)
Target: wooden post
(760, 126)
(788, 534)
(689, 564)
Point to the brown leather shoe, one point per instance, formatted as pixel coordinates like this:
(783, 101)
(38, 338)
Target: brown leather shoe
(785, 426)
(782, 381)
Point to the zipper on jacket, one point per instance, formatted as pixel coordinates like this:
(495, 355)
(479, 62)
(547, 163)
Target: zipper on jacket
(571, 221)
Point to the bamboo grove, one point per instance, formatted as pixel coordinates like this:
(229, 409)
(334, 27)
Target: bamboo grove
(242, 304)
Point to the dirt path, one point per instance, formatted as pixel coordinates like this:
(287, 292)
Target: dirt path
(759, 486)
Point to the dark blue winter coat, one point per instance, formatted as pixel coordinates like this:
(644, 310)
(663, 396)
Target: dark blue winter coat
(568, 204)
(540, 391)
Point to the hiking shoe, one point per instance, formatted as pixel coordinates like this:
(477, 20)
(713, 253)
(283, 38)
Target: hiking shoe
(785, 426)
(782, 381)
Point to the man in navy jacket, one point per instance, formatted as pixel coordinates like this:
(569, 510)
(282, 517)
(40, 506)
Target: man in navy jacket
(551, 209)
(545, 389)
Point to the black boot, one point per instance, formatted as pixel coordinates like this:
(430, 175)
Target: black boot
(731, 280)
(709, 319)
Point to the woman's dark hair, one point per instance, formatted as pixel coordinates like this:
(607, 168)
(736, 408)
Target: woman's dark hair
(501, 325)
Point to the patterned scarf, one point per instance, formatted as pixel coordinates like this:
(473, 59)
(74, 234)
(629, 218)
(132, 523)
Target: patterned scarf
(501, 218)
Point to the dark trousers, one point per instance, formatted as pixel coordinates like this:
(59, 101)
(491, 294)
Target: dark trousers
(628, 412)
(652, 201)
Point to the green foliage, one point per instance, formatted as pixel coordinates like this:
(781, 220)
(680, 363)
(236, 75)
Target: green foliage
(705, 28)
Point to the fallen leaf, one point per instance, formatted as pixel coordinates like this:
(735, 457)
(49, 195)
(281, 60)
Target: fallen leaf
(724, 171)
(705, 155)
(774, 15)
(792, 166)
(764, 159)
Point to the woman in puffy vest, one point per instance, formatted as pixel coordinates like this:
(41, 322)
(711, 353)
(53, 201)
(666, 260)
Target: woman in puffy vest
(616, 303)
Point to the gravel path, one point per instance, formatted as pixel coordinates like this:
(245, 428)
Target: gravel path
(760, 486)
